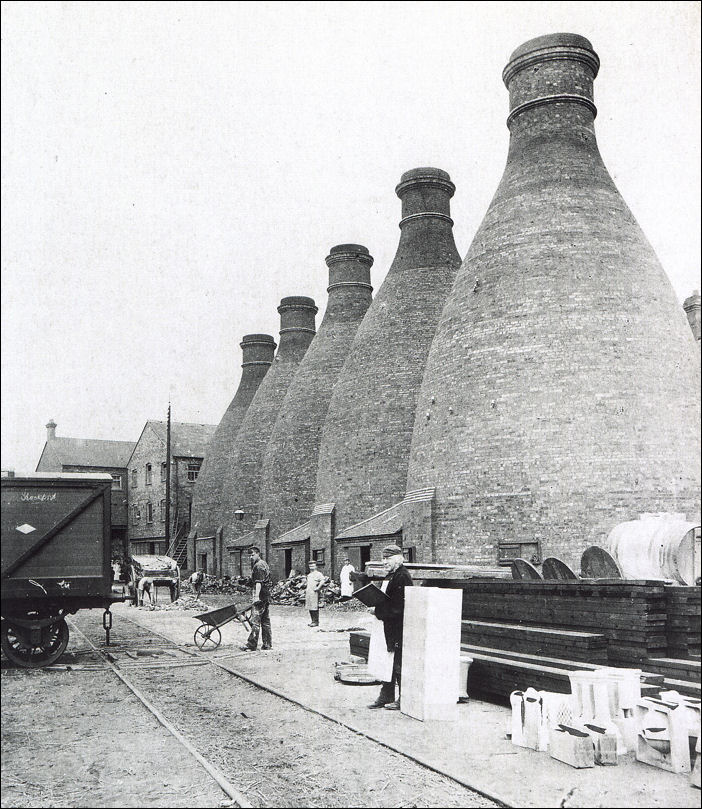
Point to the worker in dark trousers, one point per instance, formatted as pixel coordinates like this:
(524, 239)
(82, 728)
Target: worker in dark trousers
(391, 613)
(260, 615)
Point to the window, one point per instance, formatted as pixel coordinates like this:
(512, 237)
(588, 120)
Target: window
(162, 510)
(117, 482)
(408, 553)
(147, 470)
(149, 512)
(507, 552)
(164, 466)
(318, 556)
(193, 471)
(136, 515)
(134, 478)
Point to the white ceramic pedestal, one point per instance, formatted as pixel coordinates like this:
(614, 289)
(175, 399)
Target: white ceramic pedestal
(431, 653)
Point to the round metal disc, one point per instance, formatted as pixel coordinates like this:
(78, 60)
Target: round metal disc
(597, 563)
(554, 569)
(523, 570)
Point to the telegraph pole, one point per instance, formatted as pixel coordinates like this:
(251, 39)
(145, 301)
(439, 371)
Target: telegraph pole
(168, 479)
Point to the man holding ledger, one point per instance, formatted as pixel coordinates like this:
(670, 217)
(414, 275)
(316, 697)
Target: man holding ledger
(385, 652)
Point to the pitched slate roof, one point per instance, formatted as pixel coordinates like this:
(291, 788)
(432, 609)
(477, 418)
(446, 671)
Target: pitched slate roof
(86, 452)
(187, 440)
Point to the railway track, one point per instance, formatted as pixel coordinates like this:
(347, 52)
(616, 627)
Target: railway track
(177, 684)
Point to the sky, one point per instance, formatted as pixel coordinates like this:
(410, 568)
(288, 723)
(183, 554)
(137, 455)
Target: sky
(170, 171)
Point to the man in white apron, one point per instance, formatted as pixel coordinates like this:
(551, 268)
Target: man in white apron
(345, 580)
(315, 580)
(385, 651)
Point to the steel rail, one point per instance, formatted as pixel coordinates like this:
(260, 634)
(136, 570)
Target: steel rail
(416, 759)
(237, 797)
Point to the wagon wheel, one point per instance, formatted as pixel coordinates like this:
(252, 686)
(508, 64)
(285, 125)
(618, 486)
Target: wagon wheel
(207, 638)
(22, 650)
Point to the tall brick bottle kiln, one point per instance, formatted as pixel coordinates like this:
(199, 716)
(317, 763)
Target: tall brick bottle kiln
(290, 463)
(242, 482)
(561, 394)
(366, 438)
(257, 351)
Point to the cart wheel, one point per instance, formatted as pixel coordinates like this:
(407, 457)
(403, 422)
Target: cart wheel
(20, 650)
(207, 638)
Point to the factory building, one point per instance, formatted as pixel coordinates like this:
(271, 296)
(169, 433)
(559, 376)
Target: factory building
(290, 461)
(241, 485)
(257, 351)
(366, 438)
(561, 394)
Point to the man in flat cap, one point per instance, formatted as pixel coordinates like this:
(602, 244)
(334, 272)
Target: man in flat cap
(391, 613)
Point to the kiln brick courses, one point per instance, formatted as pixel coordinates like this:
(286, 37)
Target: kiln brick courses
(366, 437)
(290, 462)
(241, 487)
(561, 394)
(257, 356)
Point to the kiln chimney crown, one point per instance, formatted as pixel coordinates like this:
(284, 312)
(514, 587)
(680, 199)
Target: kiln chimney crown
(257, 349)
(349, 267)
(425, 192)
(556, 68)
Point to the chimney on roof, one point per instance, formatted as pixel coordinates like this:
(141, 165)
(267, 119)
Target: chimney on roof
(692, 310)
(51, 430)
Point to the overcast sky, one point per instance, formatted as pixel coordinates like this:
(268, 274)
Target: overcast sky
(171, 170)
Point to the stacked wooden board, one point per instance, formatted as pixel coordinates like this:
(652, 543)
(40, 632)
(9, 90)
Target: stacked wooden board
(631, 615)
(568, 644)
(532, 633)
(495, 673)
(683, 621)
(359, 642)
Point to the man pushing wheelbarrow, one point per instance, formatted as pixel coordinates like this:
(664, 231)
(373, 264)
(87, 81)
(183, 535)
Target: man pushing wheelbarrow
(255, 617)
(260, 617)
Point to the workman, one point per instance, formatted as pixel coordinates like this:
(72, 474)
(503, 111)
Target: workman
(345, 579)
(260, 615)
(315, 580)
(391, 613)
(196, 580)
(145, 586)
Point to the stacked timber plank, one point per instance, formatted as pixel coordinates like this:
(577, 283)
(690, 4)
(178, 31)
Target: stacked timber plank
(568, 644)
(359, 642)
(630, 614)
(683, 621)
(496, 674)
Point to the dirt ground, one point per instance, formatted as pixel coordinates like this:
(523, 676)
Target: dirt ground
(80, 738)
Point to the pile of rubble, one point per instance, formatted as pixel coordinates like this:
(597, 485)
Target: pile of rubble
(292, 591)
(213, 585)
(185, 602)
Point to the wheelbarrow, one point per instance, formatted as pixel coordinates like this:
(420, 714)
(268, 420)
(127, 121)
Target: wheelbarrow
(207, 635)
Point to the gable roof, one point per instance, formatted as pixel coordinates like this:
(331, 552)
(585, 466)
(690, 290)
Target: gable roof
(87, 452)
(187, 440)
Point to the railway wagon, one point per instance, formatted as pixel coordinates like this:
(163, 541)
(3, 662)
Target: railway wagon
(55, 549)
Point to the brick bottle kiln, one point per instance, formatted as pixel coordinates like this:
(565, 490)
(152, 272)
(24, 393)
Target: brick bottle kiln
(561, 394)
(290, 462)
(366, 438)
(257, 351)
(242, 482)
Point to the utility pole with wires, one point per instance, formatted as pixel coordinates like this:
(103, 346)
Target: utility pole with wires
(168, 479)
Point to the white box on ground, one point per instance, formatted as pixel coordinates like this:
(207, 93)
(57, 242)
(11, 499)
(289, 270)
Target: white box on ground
(431, 653)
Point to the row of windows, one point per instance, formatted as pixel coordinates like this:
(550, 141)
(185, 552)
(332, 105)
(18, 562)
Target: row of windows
(149, 512)
(192, 469)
